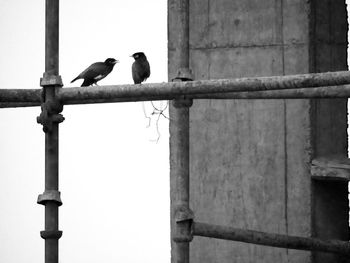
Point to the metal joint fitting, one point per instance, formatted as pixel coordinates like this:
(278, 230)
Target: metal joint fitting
(50, 108)
(183, 224)
(183, 102)
(50, 195)
(47, 119)
(51, 234)
(184, 74)
(51, 80)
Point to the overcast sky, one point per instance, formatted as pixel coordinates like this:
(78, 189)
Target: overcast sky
(114, 179)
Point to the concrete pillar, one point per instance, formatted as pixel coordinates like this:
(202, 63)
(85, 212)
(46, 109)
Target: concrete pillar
(250, 159)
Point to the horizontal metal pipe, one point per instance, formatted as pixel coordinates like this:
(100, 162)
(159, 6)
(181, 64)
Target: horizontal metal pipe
(302, 93)
(20, 95)
(269, 239)
(19, 104)
(167, 91)
(178, 89)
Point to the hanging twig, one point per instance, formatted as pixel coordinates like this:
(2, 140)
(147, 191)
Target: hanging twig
(145, 114)
(157, 128)
(159, 112)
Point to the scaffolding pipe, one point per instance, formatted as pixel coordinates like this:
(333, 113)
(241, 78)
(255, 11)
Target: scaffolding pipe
(20, 95)
(6, 105)
(51, 197)
(333, 85)
(31, 98)
(179, 161)
(300, 93)
(190, 88)
(269, 239)
(179, 136)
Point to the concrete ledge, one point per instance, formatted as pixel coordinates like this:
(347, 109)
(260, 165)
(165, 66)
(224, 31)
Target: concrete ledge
(331, 168)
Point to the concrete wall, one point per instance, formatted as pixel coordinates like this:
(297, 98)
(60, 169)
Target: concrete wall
(250, 158)
(328, 52)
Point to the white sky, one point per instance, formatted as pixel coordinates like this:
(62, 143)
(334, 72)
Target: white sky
(114, 180)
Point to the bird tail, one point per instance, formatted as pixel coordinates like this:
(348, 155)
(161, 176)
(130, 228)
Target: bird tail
(87, 82)
(74, 79)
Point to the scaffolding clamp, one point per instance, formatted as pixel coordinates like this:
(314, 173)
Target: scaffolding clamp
(183, 217)
(50, 107)
(51, 234)
(183, 74)
(51, 80)
(182, 102)
(50, 195)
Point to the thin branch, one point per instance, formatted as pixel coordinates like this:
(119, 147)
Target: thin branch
(159, 112)
(157, 128)
(145, 114)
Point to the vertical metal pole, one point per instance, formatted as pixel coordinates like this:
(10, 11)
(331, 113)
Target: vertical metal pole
(182, 43)
(50, 120)
(51, 37)
(179, 138)
(179, 154)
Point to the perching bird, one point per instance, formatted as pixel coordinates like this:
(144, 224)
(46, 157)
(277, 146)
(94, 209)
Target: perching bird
(140, 68)
(96, 71)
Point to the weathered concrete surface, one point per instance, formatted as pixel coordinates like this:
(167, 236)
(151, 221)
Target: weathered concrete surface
(329, 202)
(330, 217)
(250, 159)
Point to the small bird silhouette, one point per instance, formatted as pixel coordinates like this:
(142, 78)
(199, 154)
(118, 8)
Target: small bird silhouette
(140, 68)
(96, 71)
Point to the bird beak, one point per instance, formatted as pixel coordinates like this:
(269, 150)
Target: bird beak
(116, 61)
(131, 56)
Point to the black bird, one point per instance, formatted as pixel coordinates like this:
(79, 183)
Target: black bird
(140, 68)
(96, 72)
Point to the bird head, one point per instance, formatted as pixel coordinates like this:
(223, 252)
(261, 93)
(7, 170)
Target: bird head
(138, 55)
(111, 61)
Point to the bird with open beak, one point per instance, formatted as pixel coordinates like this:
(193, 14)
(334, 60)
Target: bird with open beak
(96, 71)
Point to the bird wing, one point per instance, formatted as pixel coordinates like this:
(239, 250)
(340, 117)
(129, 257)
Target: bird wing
(140, 71)
(135, 73)
(147, 70)
(94, 71)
